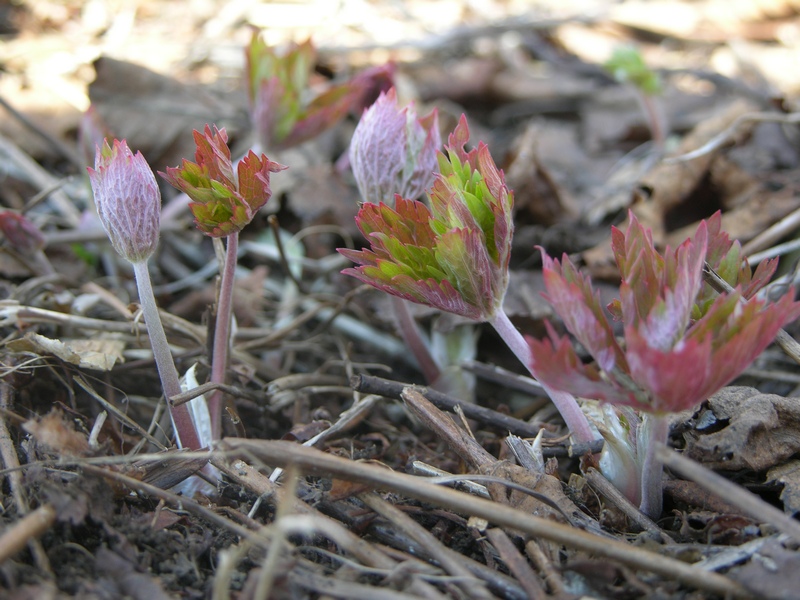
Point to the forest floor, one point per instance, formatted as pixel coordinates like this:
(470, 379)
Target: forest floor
(331, 436)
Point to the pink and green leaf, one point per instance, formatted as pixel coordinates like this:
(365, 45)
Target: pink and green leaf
(222, 203)
(672, 362)
(447, 256)
(571, 295)
(322, 113)
(557, 365)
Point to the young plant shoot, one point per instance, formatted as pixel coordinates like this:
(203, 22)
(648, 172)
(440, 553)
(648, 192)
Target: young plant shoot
(129, 206)
(279, 87)
(393, 151)
(681, 344)
(453, 256)
(224, 200)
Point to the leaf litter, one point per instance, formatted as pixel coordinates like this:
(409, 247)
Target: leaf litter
(88, 508)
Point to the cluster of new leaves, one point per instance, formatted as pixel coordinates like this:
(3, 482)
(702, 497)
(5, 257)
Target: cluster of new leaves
(627, 66)
(223, 201)
(725, 257)
(669, 362)
(393, 151)
(454, 256)
(282, 108)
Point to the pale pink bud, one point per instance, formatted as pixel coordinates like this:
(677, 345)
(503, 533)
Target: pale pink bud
(128, 200)
(393, 151)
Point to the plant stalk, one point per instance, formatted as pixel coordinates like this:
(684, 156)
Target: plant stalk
(656, 433)
(185, 433)
(565, 402)
(413, 339)
(222, 332)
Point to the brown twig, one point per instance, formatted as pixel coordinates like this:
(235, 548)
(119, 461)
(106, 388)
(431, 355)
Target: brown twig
(70, 154)
(750, 504)
(729, 132)
(448, 559)
(314, 462)
(370, 384)
(26, 530)
(204, 388)
(287, 268)
(251, 479)
(177, 501)
(35, 526)
(516, 563)
(607, 489)
(551, 575)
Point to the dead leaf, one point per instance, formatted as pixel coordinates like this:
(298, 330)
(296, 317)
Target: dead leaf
(789, 475)
(54, 432)
(155, 113)
(746, 430)
(771, 574)
(345, 489)
(536, 190)
(96, 354)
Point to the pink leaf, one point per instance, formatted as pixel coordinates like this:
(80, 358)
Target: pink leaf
(571, 295)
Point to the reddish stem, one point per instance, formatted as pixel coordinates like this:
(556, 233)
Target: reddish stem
(565, 402)
(413, 339)
(222, 329)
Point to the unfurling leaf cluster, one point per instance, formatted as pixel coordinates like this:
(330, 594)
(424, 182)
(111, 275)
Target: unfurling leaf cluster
(452, 256)
(393, 151)
(283, 108)
(223, 200)
(680, 344)
(128, 200)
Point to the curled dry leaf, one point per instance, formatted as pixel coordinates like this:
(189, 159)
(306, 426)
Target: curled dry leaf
(96, 354)
(750, 431)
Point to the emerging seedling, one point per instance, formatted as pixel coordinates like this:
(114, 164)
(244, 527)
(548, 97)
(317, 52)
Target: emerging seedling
(393, 151)
(628, 66)
(681, 345)
(224, 201)
(279, 91)
(129, 206)
(453, 256)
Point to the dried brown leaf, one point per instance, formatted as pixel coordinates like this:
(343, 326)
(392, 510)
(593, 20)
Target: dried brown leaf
(97, 354)
(788, 474)
(752, 431)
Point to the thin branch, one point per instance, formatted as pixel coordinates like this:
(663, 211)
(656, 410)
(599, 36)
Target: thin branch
(387, 388)
(743, 499)
(727, 134)
(315, 462)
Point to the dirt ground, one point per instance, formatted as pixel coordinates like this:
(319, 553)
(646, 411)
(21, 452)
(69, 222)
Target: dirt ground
(323, 488)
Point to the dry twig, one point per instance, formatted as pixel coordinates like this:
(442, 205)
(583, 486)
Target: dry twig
(314, 462)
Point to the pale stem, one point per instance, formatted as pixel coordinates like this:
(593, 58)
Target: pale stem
(656, 119)
(182, 423)
(657, 432)
(413, 339)
(222, 332)
(565, 402)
